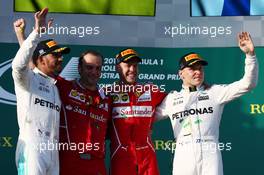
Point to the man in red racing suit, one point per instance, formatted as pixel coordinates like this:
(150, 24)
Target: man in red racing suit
(134, 104)
(84, 121)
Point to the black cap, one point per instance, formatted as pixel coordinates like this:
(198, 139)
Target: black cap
(127, 55)
(191, 58)
(48, 46)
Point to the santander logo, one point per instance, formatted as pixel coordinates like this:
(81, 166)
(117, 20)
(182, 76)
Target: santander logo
(134, 111)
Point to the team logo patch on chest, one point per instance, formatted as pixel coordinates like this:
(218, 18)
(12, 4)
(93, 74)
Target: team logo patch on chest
(125, 97)
(203, 96)
(177, 100)
(120, 98)
(146, 96)
(44, 88)
(103, 106)
(134, 111)
(77, 95)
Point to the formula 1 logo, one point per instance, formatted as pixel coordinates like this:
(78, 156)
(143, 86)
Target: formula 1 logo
(5, 96)
(69, 72)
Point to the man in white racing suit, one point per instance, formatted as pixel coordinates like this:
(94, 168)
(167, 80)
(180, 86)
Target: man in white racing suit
(38, 102)
(196, 110)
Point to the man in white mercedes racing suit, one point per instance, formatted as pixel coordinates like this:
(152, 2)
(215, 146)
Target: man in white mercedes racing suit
(38, 102)
(196, 110)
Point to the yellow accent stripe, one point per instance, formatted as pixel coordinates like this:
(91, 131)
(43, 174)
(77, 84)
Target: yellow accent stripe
(60, 49)
(191, 57)
(128, 52)
(129, 57)
(51, 44)
(194, 62)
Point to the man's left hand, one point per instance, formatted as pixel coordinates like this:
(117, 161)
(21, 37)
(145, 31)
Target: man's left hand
(246, 44)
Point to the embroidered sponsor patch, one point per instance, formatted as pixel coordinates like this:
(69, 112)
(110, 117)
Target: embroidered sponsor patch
(134, 111)
(77, 95)
(120, 98)
(51, 44)
(146, 96)
(205, 97)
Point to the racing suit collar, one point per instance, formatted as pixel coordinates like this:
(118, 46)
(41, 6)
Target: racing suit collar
(188, 89)
(123, 83)
(37, 71)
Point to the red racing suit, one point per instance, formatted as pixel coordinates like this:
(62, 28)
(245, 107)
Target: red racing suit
(84, 121)
(132, 151)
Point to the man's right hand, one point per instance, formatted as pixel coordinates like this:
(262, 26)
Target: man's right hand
(19, 26)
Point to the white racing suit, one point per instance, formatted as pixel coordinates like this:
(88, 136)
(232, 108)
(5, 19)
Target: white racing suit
(195, 118)
(38, 112)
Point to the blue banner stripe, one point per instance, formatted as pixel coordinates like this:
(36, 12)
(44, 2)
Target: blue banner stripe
(236, 8)
(207, 7)
(227, 7)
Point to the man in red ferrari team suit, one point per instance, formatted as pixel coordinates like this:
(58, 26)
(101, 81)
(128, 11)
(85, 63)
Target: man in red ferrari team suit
(86, 114)
(134, 104)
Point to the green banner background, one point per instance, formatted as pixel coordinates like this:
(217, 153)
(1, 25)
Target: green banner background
(112, 7)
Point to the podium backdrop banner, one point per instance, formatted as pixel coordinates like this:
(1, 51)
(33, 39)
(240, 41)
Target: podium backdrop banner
(242, 125)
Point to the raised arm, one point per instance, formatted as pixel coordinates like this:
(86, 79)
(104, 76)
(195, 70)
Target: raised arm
(19, 28)
(246, 44)
(20, 68)
(250, 78)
